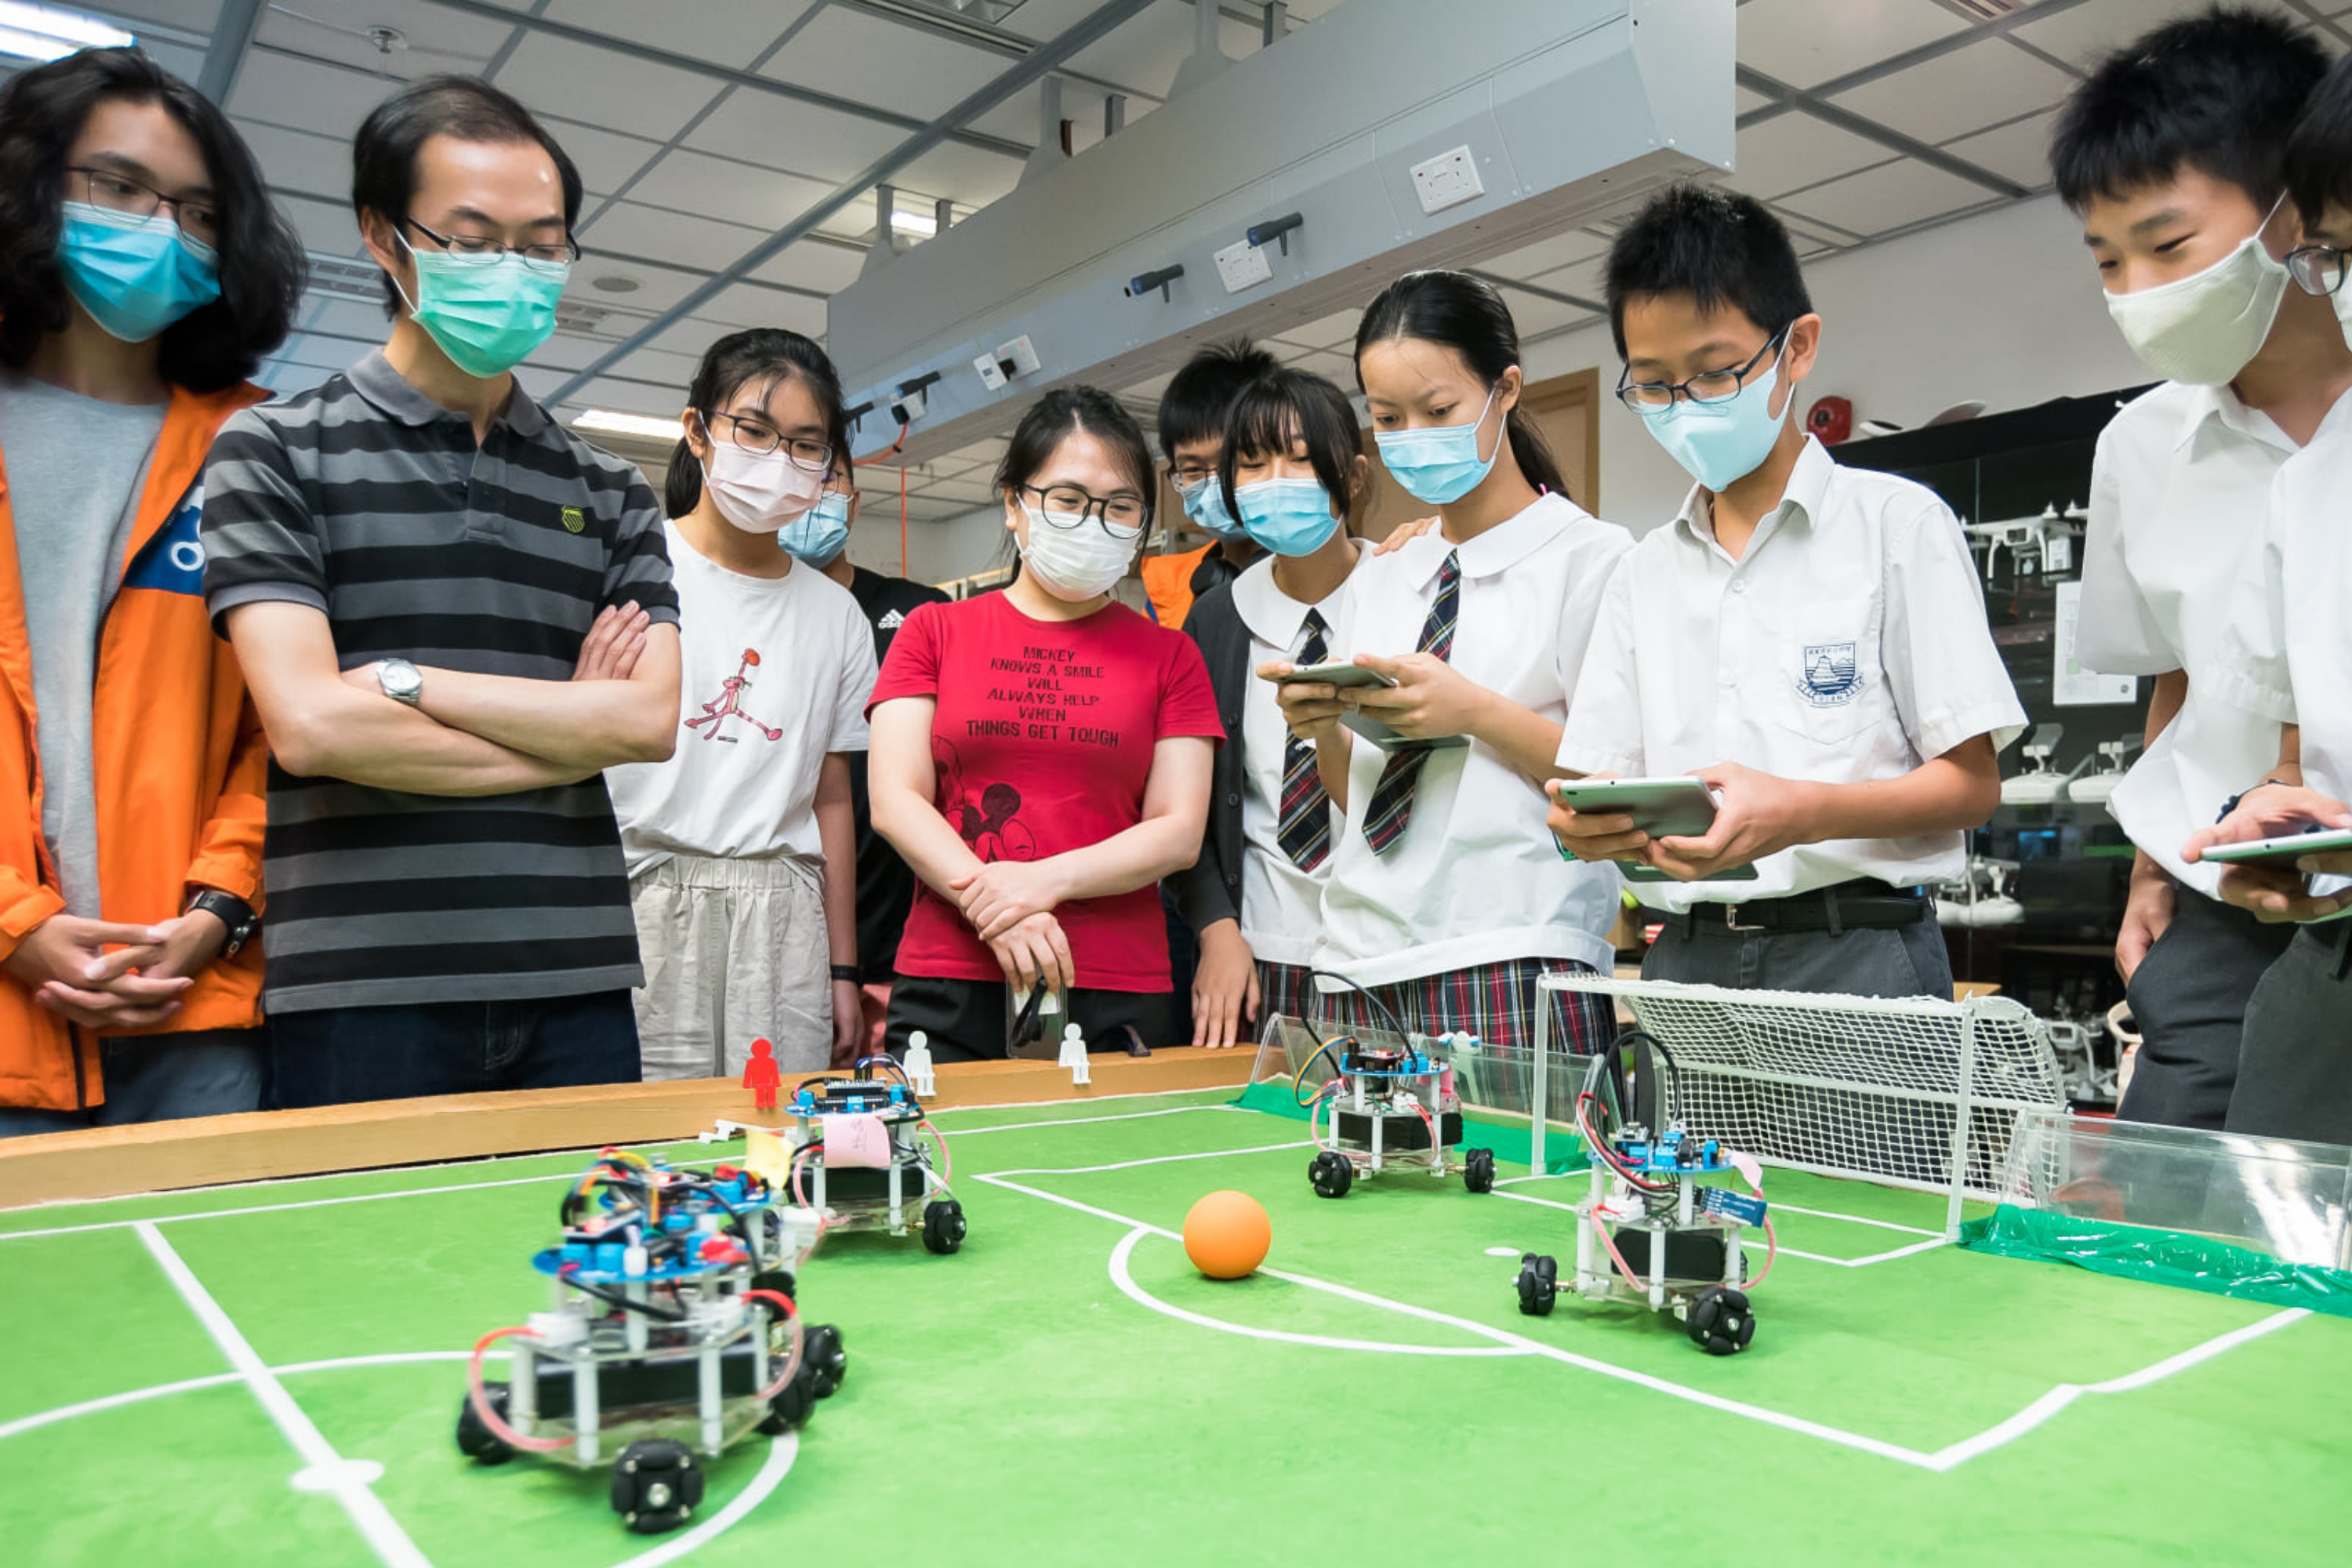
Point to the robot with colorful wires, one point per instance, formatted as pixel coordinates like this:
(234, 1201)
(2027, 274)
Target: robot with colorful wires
(1651, 1231)
(856, 1161)
(1389, 1106)
(672, 1329)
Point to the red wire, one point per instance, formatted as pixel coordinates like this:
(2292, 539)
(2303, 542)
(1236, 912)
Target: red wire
(481, 1398)
(792, 1361)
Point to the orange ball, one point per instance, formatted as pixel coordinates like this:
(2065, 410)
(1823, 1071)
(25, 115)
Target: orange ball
(1226, 1235)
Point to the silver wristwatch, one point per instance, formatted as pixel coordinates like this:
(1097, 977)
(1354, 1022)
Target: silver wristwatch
(401, 681)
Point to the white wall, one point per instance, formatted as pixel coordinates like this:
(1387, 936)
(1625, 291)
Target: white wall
(2005, 307)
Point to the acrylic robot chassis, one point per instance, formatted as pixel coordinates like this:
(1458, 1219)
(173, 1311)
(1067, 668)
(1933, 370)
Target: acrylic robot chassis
(894, 1179)
(1652, 1233)
(1389, 1109)
(672, 1330)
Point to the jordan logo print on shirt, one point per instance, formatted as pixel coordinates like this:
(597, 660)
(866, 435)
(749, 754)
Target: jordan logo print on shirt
(729, 704)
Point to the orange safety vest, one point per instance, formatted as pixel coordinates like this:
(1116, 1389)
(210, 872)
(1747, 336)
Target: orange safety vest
(1167, 579)
(180, 766)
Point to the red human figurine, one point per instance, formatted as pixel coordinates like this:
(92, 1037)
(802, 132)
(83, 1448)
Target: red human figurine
(760, 1077)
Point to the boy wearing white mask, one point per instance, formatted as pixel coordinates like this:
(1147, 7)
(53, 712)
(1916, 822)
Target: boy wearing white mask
(1809, 640)
(1041, 757)
(2171, 154)
(742, 847)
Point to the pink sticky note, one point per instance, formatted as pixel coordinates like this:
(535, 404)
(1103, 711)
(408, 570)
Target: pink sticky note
(858, 1141)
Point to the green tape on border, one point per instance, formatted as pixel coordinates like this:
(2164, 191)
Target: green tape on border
(1563, 1150)
(2163, 1256)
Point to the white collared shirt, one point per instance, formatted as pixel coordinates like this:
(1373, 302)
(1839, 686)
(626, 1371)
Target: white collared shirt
(1847, 644)
(1476, 877)
(1281, 905)
(2179, 490)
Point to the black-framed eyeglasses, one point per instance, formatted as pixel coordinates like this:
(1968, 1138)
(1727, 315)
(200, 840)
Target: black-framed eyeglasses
(134, 198)
(482, 248)
(1067, 505)
(757, 437)
(2316, 268)
(1712, 386)
(1182, 478)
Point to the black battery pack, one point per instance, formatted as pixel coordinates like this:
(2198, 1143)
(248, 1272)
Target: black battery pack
(1407, 1131)
(1690, 1254)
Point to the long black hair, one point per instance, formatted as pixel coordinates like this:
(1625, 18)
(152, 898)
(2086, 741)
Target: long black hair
(1455, 311)
(1287, 405)
(767, 355)
(261, 263)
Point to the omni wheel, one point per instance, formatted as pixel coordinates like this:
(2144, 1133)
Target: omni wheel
(1332, 1175)
(943, 1227)
(475, 1439)
(1719, 1320)
(1538, 1284)
(657, 1485)
(792, 1405)
(1478, 1170)
(828, 1361)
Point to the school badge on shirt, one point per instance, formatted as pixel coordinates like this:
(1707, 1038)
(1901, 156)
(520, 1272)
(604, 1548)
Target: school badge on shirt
(575, 519)
(1832, 677)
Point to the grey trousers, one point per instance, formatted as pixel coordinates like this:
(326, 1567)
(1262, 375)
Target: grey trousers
(1905, 960)
(2189, 1002)
(2294, 1069)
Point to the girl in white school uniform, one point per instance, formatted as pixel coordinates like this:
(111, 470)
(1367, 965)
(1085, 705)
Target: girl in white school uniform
(1446, 900)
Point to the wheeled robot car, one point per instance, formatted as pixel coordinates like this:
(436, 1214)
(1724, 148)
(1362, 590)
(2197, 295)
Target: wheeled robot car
(1387, 1107)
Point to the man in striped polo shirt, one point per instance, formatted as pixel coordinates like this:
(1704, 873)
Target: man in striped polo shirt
(453, 615)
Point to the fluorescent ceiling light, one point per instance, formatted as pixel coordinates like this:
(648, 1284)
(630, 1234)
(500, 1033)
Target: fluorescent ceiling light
(617, 424)
(914, 226)
(49, 32)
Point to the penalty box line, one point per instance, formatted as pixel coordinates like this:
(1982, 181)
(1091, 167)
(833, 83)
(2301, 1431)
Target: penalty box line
(1950, 1457)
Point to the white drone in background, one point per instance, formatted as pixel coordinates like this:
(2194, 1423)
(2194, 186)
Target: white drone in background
(2037, 546)
(2097, 787)
(1979, 895)
(2041, 784)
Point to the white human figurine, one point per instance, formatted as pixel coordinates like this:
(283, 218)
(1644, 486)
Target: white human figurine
(919, 1065)
(1074, 1054)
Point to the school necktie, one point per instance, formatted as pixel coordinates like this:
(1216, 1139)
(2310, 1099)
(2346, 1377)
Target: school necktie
(1391, 806)
(1305, 830)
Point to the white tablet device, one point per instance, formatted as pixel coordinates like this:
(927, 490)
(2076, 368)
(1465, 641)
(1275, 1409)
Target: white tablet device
(1675, 807)
(1342, 674)
(2285, 849)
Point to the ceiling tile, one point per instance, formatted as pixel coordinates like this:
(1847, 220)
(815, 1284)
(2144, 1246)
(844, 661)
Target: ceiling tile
(1326, 331)
(755, 305)
(783, 133)
(1965, 91)
(606, 391)
(321, 354)
(1544, 256)
(329, 101)
(1587, 280)
(606, 158)
(2019, 151)
(631, 228)
(812, 264)
(556, 75)
(1745, 101)
(1796, 42)
(1534, 315)
(657, 287)
(865, 58)
(708, 29)
(324, 226)
(568, 352)
(971, 176)
(2082, 35)
(433, 37)
(200, 15)
(1331, 365)
(296, 160)
(666, 367)
(1887, 198)
(345, 318)
(1791, 151)
(686, 180)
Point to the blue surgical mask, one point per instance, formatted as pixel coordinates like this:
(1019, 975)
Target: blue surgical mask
(1289, 517)
(488, 314)
(135, 276)
(1721, 443)
(1204, 503)
(1439, 465)
(817, 535)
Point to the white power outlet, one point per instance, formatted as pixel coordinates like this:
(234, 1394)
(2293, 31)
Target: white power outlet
(1021, 353)
(1242, 265)
(991, 374)
(1447, 180)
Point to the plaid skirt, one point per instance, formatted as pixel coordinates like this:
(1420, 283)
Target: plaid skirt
(1495, 1002)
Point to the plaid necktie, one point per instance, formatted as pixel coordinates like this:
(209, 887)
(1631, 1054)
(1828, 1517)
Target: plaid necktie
(1391, 806)
(1305, 830)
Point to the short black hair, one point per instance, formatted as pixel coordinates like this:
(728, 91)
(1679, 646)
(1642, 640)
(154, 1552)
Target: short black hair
(1194, 406)
(383, 154)
(765, 354)
(1287, 406)
(2218, 91)
(1718, 247)
(2318, 164)
(1071, 410)
(260, 262)
(1455, 311)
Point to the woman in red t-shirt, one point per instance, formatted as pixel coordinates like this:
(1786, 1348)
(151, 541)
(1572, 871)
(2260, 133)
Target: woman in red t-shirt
(1041, 757)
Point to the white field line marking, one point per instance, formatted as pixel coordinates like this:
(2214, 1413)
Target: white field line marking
(189, 1385)
(368, 1515)
(781, 1451)
(1946, 1458)
(503, 1182)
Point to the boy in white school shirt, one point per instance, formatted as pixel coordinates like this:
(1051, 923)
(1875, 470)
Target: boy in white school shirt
(1810, 640)
(2171, 152)
(2289, 658)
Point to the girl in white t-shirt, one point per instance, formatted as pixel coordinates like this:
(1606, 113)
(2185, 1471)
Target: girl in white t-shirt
(741, 852)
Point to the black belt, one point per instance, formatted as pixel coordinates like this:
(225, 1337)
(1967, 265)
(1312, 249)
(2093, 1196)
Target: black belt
(1862, 904)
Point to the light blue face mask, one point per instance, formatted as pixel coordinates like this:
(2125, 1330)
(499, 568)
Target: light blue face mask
(1439, 465)
(1721, 443)
(135, 276)
(488, 314)
(1289, 517)
(1204, 503)
(818, 534)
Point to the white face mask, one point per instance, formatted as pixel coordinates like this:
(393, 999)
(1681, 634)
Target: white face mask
(2342, 300)
(1075, 563)
(2202, 329)
(759, 493)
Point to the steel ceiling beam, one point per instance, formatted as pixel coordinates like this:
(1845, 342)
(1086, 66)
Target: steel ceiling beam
(1871, 129)
(1046, 58)
(225, 55)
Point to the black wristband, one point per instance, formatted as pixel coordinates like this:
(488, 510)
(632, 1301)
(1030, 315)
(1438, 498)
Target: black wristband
(848, 972)
(2231, 804)
(231, 911)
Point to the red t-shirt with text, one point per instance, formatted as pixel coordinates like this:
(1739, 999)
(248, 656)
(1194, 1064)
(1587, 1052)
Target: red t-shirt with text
(1042, 743)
